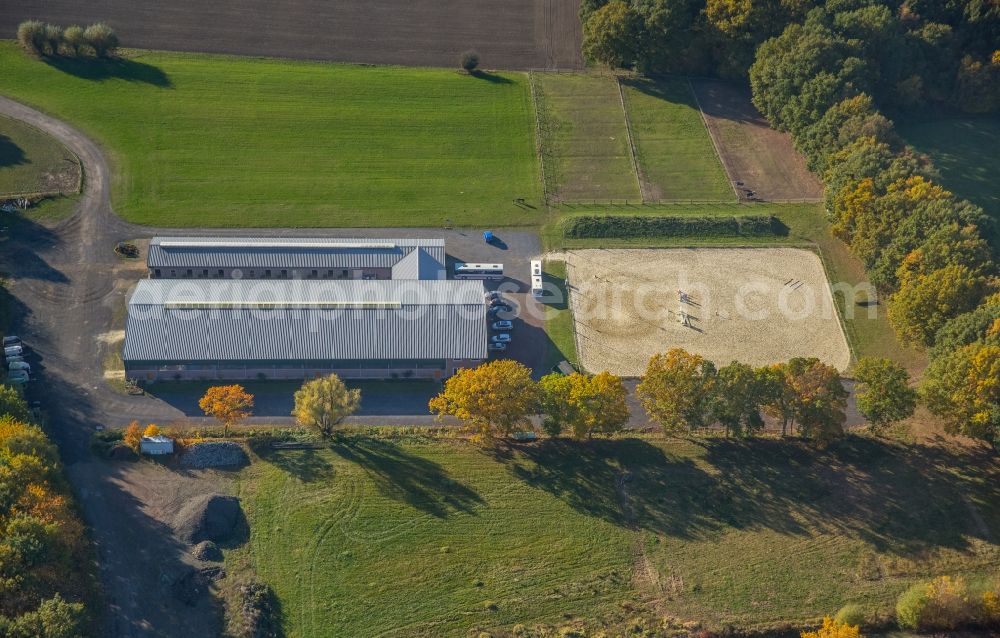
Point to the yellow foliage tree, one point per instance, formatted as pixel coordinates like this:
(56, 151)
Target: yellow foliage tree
(496, 398)
(323, 403)
(963, 388)
(925, 302)
(133, 435)
(833, 629)
(586, 404)
(677, 389)
(151, 430)
(228, 404)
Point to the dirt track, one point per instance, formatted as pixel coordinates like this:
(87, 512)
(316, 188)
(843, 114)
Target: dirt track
(513, 34)
(757, 306)
(751, 151)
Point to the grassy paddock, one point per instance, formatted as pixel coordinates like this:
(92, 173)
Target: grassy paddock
(559, 321)
(584, 138)
(32, 162)
(202, 140)
(675, 153)
(421, 537)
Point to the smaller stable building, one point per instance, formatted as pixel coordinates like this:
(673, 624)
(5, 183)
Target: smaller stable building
(295, 258)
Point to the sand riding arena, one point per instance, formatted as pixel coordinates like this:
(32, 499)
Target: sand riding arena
(755, 305)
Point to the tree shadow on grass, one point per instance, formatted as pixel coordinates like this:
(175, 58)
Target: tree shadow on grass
(492, 78)
(627, 482)
(670, 90)
(405, 477)
(100, 69)
(10, 153)
(901, 499)
(307, 464)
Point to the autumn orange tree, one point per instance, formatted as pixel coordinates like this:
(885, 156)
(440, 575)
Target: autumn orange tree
(811, 396)
(133, 435)
(494, 399)
(43, 549)
(228, 404)
(677, 390)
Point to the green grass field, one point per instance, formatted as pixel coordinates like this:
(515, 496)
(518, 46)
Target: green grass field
(423, 537)
(675, 153)
(965, 152)
(584, 138)
(200, 140)
(559, 320)
(32, 162)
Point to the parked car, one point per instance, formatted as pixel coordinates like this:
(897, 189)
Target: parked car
(11, 340)
(13, 351)
(502, 304)
(17, 376)
(13, 359)
(503, 324)
(493, 345)
(488, 236)
(496, 310)
(490, 295)
(503, 337)
(20, 365)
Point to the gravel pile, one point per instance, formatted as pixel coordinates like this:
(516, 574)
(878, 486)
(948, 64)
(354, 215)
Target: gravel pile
(213, 454)
(211, 517)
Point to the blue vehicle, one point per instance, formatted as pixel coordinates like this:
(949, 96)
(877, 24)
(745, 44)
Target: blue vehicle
(488, 236)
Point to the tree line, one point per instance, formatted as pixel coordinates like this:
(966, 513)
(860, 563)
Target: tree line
(931, 253)
(43, 39)
(681, 392)
(44, 550)
(908, 54)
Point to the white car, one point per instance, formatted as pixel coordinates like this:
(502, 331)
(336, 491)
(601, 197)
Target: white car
(503, 337)
(11, 340)
(13, 351)
(20, 365)
(503, 324)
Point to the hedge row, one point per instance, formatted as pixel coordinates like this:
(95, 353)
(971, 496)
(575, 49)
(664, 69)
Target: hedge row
(656, 226)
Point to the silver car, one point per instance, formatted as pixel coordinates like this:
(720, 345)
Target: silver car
(13, 351)
(17, 376)
(20, 365)
(503, 337)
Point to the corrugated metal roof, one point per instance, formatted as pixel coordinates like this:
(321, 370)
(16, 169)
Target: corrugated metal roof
(433, 320)
(284, 253)
(419, 264)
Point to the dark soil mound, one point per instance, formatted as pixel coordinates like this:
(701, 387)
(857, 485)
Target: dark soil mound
(212, 517)
(207, 551)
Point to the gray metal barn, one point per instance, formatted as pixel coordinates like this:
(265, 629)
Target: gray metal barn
(295, 258)
(293, 329)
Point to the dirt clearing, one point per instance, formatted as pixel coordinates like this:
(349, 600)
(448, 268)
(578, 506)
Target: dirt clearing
(755, 305)
(514, 34)
(751, 151)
